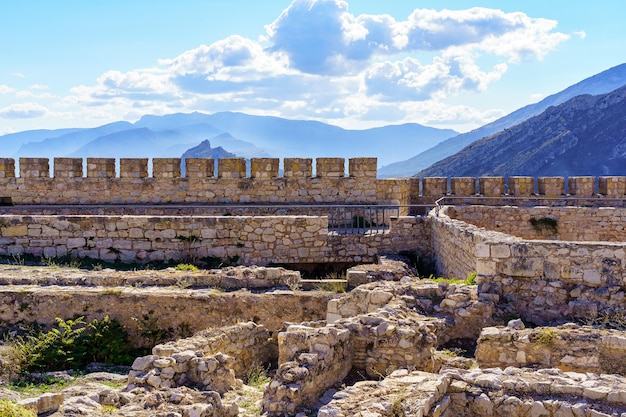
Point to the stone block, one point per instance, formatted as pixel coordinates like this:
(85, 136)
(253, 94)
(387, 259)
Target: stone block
(166, 167)
(34, 168)
(199, 167)
(462, 186)
(7, 168)
(521, 186)
(581, 186)
(434, 186)
(298, 167)
(330, 167)
(231, 168)
(68, 167)
(551, 187)
(612, 187)
(100, 167)
(362, 167)
(264, 167)
(133, 167)
(491, 186)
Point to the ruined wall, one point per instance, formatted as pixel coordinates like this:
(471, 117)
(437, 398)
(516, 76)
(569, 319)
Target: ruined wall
(211, 359)
(602, 224)
(182, 311)
(248, 240)
(311, 360)
(569, 347)
(483, 392)
(540, 280)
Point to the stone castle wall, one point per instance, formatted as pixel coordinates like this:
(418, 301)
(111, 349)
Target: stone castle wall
(129, 181)
(248, 240)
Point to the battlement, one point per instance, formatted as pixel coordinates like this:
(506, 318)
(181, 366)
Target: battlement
(231, 180)
(194, 168)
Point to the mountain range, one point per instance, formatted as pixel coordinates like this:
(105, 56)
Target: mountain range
(583, 136)
(601, 83)
(265, 136)
(241, 134)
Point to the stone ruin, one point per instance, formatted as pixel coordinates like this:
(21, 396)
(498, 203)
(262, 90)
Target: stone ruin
(381, 350)
(544, 312)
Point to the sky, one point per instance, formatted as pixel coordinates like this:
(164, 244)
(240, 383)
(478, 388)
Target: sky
(357, 64)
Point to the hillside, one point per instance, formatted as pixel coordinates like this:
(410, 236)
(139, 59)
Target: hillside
(583, 136)
(601, 83)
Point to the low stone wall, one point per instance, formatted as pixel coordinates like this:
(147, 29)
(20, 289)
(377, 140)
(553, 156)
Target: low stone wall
(455, 311)
(226, 278)
(568, 347)
(211, 359)
(314, 360)
(483, 392)
(177, 312)
(541, 281)
(248, 240)
(601, 224)
(247, 343)
(187, 368)
(402, 393)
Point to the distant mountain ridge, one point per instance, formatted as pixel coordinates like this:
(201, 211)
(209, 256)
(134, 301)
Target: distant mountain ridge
(583, 136)
(601, 83)
(241, 134)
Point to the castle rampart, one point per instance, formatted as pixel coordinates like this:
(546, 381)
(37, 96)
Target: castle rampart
(132, 182)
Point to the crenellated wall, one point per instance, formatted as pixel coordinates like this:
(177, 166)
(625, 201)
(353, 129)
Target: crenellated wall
(101, 184)
(201, 184)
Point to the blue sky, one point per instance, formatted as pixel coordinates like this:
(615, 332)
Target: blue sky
(356, 64)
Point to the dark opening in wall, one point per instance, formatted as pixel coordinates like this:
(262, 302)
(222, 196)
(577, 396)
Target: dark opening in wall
(6, 201)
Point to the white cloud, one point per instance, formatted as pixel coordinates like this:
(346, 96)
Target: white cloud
(23, 111)
(581, 34)
(5, 89)
(320, 61)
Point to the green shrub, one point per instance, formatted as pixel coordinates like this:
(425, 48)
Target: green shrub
(73, 344)
(10, 409)
(186, 267)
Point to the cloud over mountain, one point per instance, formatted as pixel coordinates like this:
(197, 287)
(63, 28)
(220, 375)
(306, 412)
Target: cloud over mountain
(317, 60)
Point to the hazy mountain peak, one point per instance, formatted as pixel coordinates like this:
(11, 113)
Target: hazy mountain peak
(583, 136)
(601, 83)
